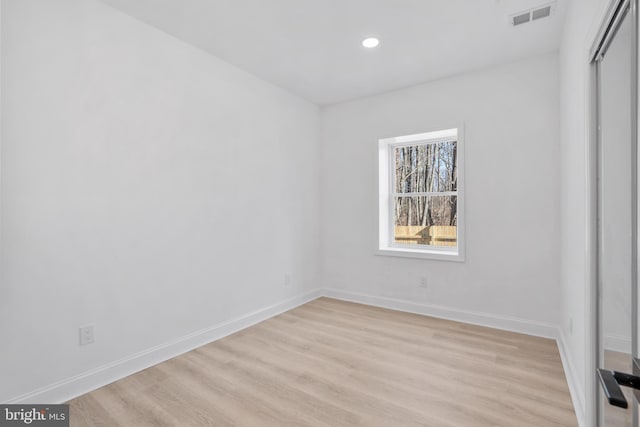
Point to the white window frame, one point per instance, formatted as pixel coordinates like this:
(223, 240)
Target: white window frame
(386, 204)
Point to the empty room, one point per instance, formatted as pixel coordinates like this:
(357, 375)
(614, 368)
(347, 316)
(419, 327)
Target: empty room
(319, 213)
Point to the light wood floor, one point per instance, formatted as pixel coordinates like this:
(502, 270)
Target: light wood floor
(333, 363)
(614, 416)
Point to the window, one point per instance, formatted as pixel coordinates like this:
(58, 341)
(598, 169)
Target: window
(421, 199)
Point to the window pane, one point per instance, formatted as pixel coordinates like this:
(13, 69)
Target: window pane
(426, 168)
(426, 220)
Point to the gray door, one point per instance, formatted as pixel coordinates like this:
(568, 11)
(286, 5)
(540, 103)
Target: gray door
(617, 216)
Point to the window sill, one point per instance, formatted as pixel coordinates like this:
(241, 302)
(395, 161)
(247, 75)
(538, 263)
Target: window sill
(422, 254)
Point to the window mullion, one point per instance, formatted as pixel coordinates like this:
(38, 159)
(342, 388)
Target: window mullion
(425, 194)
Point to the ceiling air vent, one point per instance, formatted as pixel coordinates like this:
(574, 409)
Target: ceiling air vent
(523, 18)
(532, 14)
(541, 13)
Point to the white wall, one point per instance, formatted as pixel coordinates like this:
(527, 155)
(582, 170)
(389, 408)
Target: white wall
(511, 116)
(583, 20)
(148, 188)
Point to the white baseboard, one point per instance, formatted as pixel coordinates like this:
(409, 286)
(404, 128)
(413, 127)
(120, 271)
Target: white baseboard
(507, 323)
(577, 392)
(617, 343)
(85, 382)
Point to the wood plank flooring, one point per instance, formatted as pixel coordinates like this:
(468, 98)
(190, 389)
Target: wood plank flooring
(334, 363)
(614, 416)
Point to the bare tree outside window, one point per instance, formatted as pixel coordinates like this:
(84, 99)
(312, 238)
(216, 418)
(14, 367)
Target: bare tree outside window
(425, 193)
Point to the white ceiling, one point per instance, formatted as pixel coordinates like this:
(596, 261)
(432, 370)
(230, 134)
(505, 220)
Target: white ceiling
(312, 47)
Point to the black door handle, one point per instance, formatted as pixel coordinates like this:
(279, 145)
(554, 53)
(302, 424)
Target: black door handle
(612, 389)
(611, 382)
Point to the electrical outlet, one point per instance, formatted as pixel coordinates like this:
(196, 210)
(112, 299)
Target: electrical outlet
(287, 280)
(86, 335)
(424, 282)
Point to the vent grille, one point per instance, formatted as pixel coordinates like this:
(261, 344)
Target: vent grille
(541, 13)
(523, 18)
(534, 14)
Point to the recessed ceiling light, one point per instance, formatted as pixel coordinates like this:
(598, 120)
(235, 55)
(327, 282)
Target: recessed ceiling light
(370, 42)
